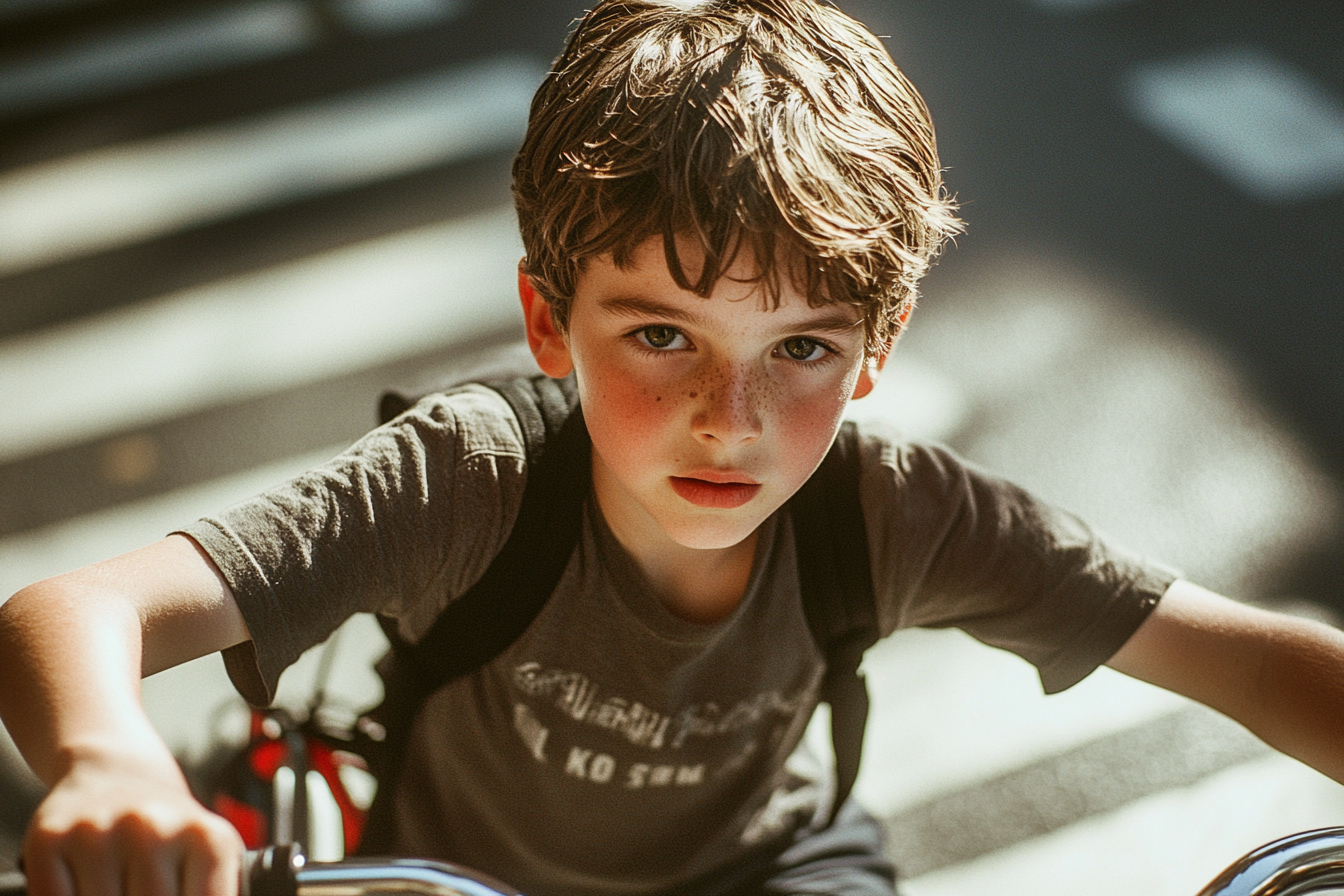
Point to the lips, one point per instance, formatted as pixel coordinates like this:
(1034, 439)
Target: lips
(707, 492)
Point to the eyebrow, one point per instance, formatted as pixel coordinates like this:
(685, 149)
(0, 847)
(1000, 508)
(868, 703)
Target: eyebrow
(834, 320)
(631, 306)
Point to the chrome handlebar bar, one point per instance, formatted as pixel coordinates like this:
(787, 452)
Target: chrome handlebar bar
(282, 871)
(1303, 863)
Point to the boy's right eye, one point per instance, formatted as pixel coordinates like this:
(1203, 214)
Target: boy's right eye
(659, 337)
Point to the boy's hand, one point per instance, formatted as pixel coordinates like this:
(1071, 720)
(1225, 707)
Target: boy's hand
(129, 826)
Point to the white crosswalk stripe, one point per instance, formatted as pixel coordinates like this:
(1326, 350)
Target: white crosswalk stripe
(109, 197)
(1269, 128)
(161, 50)
(259, 332)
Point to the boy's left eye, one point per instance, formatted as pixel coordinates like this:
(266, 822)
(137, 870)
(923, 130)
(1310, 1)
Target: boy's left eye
(800, 348)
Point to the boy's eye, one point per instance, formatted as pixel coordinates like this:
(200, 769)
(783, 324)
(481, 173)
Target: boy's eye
(659, 337)
(800, 348)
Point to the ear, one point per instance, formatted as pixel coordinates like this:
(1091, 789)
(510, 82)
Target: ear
(872, 367)
(868, 376)
(548, 343)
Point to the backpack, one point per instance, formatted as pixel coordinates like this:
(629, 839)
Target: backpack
(833, 568)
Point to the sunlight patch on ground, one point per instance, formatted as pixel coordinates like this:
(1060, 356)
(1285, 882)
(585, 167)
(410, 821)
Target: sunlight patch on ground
(1265, 126)
(114, 196)
(1085, 395)
(1171, 844)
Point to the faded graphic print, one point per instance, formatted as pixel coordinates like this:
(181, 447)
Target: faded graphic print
(699, 732)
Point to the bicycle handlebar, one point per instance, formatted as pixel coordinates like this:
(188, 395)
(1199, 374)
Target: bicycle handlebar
(1303, 863)
(363, 877)
(1294, 866)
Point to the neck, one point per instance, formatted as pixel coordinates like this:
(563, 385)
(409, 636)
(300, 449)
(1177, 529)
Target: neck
(700, 585)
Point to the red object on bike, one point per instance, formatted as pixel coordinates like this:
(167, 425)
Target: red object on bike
(249, 821)
(244, 791)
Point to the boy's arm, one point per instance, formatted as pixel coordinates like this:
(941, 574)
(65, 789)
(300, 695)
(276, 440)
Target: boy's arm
(120, 818)
(1280, 676)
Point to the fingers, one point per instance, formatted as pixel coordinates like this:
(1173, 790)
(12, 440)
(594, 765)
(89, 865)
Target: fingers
(214, 865)
(93, 860)
(150, 857)
(42, 864)
(135, 855)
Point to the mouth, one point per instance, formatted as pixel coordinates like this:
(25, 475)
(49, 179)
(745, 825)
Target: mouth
(706, 492)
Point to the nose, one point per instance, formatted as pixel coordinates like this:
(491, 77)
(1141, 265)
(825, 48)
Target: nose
(728, 406)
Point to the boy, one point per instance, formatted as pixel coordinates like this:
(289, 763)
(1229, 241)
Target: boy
(726, 209)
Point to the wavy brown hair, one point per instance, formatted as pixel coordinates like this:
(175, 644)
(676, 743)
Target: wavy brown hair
(778, 126)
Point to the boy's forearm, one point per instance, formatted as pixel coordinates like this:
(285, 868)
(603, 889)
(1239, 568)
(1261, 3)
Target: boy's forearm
(73, 649)
(72, 652)
(1282, 677)
(1300, 694)
(70, 667)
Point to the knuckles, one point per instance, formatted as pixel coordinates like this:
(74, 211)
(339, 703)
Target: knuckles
(140, 831)
(212, 834)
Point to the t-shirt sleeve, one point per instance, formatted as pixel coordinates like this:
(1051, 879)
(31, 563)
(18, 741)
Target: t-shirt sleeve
(952, 545)
(402, 523)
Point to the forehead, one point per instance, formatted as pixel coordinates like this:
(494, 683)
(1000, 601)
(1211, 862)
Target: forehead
(645, 277)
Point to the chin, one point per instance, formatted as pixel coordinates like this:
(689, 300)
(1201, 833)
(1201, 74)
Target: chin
(712, 535)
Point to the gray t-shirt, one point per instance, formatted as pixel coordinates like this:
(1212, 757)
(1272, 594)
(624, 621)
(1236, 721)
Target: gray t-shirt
(615, 748)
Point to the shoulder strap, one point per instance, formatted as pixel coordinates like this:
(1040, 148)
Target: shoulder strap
(493, 613)
(837, 587)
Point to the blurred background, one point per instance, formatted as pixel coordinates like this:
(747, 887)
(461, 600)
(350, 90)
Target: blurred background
(225, 226)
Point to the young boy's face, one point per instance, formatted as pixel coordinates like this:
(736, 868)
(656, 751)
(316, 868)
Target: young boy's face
(706, 414)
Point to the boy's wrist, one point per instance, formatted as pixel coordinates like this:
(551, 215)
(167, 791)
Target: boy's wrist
(132, 755)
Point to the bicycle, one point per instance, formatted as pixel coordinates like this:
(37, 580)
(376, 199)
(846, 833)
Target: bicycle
(1309, 862)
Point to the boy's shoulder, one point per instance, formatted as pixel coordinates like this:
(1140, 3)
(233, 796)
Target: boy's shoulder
(473, 371)
(491, 402)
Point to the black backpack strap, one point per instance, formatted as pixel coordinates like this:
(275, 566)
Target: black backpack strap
(837, 587)
(478, 626)
(493, 613)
